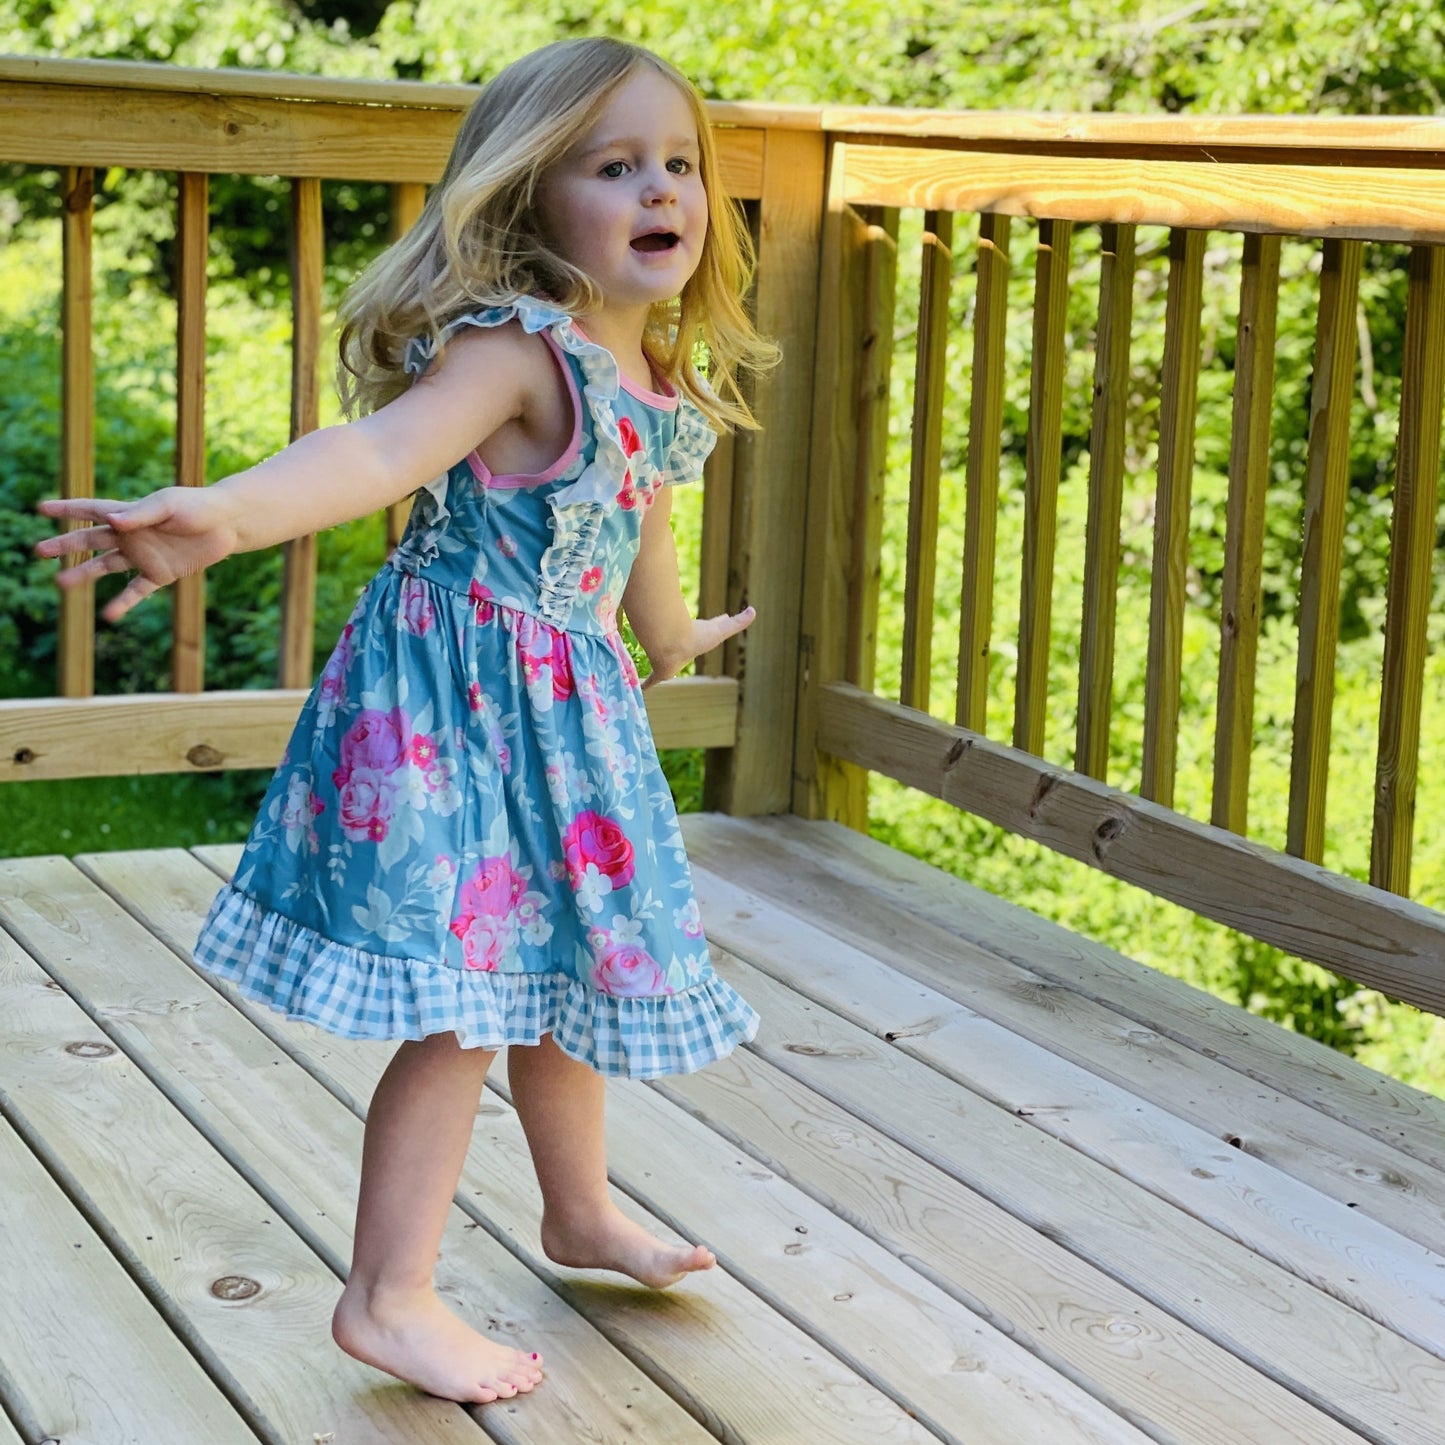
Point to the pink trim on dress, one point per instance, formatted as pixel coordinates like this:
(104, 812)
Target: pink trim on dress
(663, 400)
(512, 481)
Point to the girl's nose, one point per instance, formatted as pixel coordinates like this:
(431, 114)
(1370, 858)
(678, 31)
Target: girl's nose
(660, 185)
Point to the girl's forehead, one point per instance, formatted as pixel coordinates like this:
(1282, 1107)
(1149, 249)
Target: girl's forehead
(647, 107)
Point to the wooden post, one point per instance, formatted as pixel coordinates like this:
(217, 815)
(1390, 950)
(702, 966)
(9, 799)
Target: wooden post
(407, 200)
(76, 642)
(1244, 530)
(188, 598)
(298, 598)
(770, 481)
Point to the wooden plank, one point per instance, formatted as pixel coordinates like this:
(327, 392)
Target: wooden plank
(696, 1340)
(985, 426)
(298, 1143)
(1326, 489)
(1169, 1379)
(298, 591)
(1044, 454)
(1378, 203)
(756, 777)
(1412, 549)
(714, 566)
(905, 1333)
(261, 131)
(178, 733)
(883, 971)
(822, 787)
(1244, 529)
(930, 384)
(1346, 1366)
(188, 595)
(1386, 943)
(406, 202)
(87, 1354)
(1177, 406)
(186, 1223)
(1319, 1113)
(75, 642)
(1106, 499)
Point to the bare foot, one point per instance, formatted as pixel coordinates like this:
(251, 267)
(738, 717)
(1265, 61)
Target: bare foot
(419, 1340)
(608, 1239)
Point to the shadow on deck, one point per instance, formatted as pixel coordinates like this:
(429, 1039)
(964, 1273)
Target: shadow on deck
(978, 1180)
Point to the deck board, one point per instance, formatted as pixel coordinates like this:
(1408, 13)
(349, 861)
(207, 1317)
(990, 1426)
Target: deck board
(969, 1184)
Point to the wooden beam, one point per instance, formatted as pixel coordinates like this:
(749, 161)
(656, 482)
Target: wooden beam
(1043, 456)
(1244, 530)
(985, 429)
(213, 731)
(1412, 552)
(1106, 499)
(188, 595)
(1177, 404)
(1383, 203)
(1327, 481)
(1371, 936)
(930, 385)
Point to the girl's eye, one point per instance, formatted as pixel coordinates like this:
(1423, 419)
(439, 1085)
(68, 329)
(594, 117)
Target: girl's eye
(613, 169)
(679, 166)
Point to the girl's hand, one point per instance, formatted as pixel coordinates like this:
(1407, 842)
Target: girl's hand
(707, 633)
(169, 534)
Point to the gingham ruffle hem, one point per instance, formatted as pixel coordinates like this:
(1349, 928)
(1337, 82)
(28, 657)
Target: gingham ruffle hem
(363, 995)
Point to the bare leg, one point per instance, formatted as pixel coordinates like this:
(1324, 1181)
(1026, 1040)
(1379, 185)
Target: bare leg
(561, 1105)
(417, 1132)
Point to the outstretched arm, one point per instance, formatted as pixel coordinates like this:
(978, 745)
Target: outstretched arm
(322, 479)
(653, 601)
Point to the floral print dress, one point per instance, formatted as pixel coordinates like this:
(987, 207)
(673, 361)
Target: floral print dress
(469, 831)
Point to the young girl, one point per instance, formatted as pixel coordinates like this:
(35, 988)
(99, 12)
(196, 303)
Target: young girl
(469, 843)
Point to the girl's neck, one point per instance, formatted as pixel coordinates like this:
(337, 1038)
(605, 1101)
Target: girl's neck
(622, 335)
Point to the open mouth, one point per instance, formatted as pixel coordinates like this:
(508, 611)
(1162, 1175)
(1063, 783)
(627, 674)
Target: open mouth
(656, 241)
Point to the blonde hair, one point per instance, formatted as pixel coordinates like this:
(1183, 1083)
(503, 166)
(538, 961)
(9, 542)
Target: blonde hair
(479, 240)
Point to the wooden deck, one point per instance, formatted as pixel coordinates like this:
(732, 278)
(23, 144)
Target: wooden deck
(977, 1181)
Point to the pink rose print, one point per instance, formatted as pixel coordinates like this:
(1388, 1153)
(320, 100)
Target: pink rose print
(376, 740)
(482, 600)
(368, 801)
(624, 660)
(631, 442)
(474, 697)
(486, 912)
(417, 613)
(592, 839)
(563, 684)
(591, 579)
(627, 970)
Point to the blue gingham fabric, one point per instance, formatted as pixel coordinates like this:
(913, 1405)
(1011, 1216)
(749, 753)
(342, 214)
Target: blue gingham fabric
(469, 831)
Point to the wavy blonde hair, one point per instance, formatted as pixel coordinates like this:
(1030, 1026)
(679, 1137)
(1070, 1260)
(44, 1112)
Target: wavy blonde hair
(479, 240)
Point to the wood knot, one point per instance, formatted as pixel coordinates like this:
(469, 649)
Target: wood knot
(235, 1286)
(959, 748)
(812, 1051)
(24, 755)
(204, 756)
(89, 1049)
(1042, 789)
(1105, 834)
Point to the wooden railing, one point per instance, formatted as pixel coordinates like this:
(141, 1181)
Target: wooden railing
(1348, 182)
(793, 516)
(83, 115)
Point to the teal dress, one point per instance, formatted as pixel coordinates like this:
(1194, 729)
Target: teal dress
(469, 831)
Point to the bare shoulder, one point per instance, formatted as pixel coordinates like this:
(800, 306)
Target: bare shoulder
(502, 362)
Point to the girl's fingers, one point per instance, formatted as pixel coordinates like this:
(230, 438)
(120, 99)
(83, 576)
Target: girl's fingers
(85, 539)
(99, 566)
(136, 590)
(79, 509)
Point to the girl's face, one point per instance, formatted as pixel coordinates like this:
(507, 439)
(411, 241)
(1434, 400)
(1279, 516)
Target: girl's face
(626, 204)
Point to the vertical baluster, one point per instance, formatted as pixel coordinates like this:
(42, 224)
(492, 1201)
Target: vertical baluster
(1041, 481)
(407, 200)
(1244, 529)
(1326, 485)
(298, 602)
(188, 599)
(871, 455)
(985, 424)
(1106, 499)
(76, 641)
(1412, 548)
(717, 531)
(1171, 514)
(928, 394)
